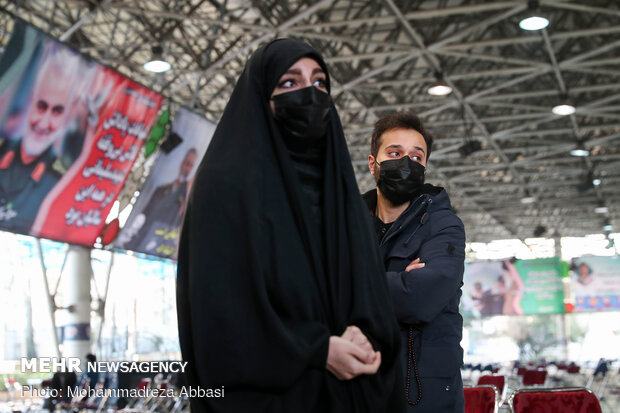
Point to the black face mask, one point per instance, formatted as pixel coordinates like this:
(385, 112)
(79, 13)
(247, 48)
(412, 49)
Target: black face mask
(400, 179)
(303, 115)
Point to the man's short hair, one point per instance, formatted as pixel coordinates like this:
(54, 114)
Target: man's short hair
(399, 120)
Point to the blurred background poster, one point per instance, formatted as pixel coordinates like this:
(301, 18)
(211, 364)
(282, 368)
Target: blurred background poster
(513, 287)
(543, 288)
(70, 131)
(153, 226)
(596, 283)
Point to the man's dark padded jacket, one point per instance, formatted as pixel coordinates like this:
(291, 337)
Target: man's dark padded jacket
(427, 299)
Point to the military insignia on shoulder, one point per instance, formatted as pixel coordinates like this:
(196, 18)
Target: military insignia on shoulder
(7, 159)
(38, 172)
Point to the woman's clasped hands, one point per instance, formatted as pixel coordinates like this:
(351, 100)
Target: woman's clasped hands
(352, 354)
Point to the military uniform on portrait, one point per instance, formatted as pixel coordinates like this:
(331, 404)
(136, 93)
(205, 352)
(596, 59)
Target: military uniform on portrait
(23, 187)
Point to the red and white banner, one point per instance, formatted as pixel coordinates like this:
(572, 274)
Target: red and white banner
(70, 131)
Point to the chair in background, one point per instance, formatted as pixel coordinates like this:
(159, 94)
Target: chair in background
(138, 401)
(534, 377)
(575, 376)
(481, 399)
(497, 380)
(554, 400)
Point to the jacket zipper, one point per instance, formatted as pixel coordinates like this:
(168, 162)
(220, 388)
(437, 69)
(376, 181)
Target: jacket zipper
(422, 220)
(390, 233)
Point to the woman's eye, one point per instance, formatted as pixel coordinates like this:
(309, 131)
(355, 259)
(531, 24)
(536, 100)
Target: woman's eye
(319, 83)
(286, 83)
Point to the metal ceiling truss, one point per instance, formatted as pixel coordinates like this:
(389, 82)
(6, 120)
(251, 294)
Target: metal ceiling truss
(383, 55)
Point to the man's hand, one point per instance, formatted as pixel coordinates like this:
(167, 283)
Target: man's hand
(415, 264)
(344, 359)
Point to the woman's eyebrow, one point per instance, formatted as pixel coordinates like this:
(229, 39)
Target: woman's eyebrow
(293, 72)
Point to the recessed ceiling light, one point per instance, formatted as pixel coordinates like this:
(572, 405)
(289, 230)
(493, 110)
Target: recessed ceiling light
(596, 182)
(601, 210)
(608, 227)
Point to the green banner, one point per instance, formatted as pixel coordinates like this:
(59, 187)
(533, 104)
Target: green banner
(510, 287)
(543, 289)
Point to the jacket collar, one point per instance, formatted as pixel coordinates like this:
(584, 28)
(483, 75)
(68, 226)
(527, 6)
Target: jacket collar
(439, 195)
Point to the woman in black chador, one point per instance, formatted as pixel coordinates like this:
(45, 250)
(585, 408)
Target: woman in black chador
(281, 294)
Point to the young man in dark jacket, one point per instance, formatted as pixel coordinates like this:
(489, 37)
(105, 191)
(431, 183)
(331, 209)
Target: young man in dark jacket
(422, 243)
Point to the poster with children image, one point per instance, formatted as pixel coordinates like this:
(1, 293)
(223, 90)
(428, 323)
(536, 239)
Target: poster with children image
(596, 283)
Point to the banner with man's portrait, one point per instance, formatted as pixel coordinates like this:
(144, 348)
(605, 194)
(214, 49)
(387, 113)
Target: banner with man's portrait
(70, 130)
(596, 283)
(153, 226)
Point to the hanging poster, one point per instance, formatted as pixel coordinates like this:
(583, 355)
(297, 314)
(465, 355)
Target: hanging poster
(153, 226)
(70, 130)
(492, 288)
(512, 287)
(543, 288)
(596, 283)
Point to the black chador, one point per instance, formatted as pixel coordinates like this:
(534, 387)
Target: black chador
(277, 254)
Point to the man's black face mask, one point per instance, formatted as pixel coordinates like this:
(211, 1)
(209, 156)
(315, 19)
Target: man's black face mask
(400, 179)
(303, 115)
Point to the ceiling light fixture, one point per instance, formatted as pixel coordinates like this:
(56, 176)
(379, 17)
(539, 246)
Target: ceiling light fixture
(592, 180)
(563, 109)
(528, 199)
(580, 150)
(601, 210)
(588, 183)
(440, 87)
(534, 21)
(157, 64)
(608, 227)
